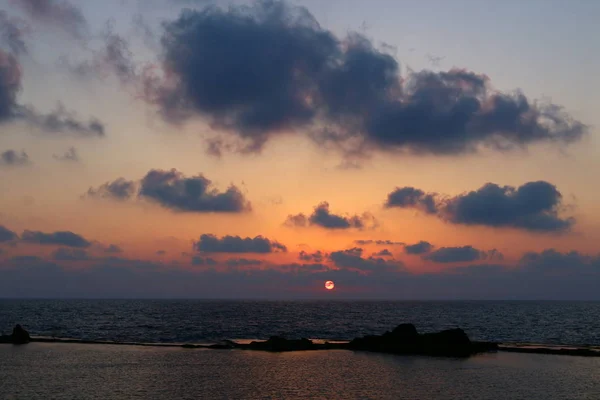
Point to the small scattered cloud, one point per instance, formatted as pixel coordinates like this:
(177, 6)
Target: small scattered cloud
(59, 14)
(12, 158)
(366, 242)
(352, 259)
(68, 254)
(113, 249)
(236, 244)
(59, 238)
(69, 156)
(383, 253)
(119, 189)
(323, 217)
(316, 257)
(418, 248)
(461, 254)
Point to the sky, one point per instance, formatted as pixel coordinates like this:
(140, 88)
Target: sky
(256, 149)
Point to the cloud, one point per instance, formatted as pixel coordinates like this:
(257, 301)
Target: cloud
(69, 156)
(418, 248)
(196, 260)
(242, 262)
(366, 242)
(352, 259)
(533, 206)
(172, 190)
(383, 253)
(60, 238)
(60, 14)
(66, 254)
(59, 121)
(316, 257)
(113, 249)
(237, 244)
(161, 252)
(285, 74)
(11, 158)
(409, 197)
(6, 235)
(12, 32)
(324, 218)
(459, 254)
(119, 189)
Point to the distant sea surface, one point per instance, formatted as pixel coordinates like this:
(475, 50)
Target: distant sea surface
(204, 321)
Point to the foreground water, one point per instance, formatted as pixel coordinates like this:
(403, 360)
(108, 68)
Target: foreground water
(194, 321)
(77, 371)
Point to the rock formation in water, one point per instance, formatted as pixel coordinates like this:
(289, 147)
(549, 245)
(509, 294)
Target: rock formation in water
(19, 336)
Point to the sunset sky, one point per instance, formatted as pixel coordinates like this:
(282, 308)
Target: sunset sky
(217, 149)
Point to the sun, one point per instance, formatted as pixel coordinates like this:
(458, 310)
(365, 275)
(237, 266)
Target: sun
(329, 285)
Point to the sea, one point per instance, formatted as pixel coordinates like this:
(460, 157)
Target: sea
(207, 321)
(106, 371)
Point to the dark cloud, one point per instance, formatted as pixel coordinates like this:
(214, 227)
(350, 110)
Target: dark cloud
(283, 73)
(553, 260)
(383, 253)
(324, 218)
(534, 206)
(6, 235)
(60, 238)
(196, 260)
(242, 262)
(119, 189)
(316, 257)
(10, 86)
(66, 254)
(60, 14)
(69, 156)
(378, 242)
(455, 254)
(352, 259)
(113, 249)
(409, 197)
(418, 248)
(237, 244)
(11, 158)
(161, 252)
(12, 32)
(172, 190)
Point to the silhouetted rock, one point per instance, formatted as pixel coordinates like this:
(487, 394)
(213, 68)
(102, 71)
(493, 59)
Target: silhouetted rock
(405, 339)
(278, 343)
(19, 336)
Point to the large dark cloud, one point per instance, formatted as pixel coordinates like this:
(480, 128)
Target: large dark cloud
(60, 14)
(6, 235)
(119, 189)
(13, 158)
(418, 248)
(60, 238)
(269, 69)
(172, 190)
(534, 206)
(323, 217)
(353, 259)
(59, 121)
(237, 244)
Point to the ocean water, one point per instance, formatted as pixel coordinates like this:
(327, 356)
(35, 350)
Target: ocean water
(199, 321)
(79, 371)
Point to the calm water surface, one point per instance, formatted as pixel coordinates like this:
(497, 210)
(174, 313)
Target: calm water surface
(73, 371)
(194, 321)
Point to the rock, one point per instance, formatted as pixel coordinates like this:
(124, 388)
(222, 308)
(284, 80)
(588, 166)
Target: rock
(405, 339)
(20, 335)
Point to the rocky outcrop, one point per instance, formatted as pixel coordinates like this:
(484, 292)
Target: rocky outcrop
(278, 343)
(405, 339)
(18, 336)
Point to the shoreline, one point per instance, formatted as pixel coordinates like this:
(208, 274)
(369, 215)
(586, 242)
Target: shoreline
(574, 351)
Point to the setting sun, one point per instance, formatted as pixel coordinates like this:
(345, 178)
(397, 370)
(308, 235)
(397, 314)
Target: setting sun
(329, 285)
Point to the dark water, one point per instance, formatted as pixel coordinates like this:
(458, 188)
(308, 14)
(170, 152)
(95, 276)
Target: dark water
(76, 371)
(194, 321)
